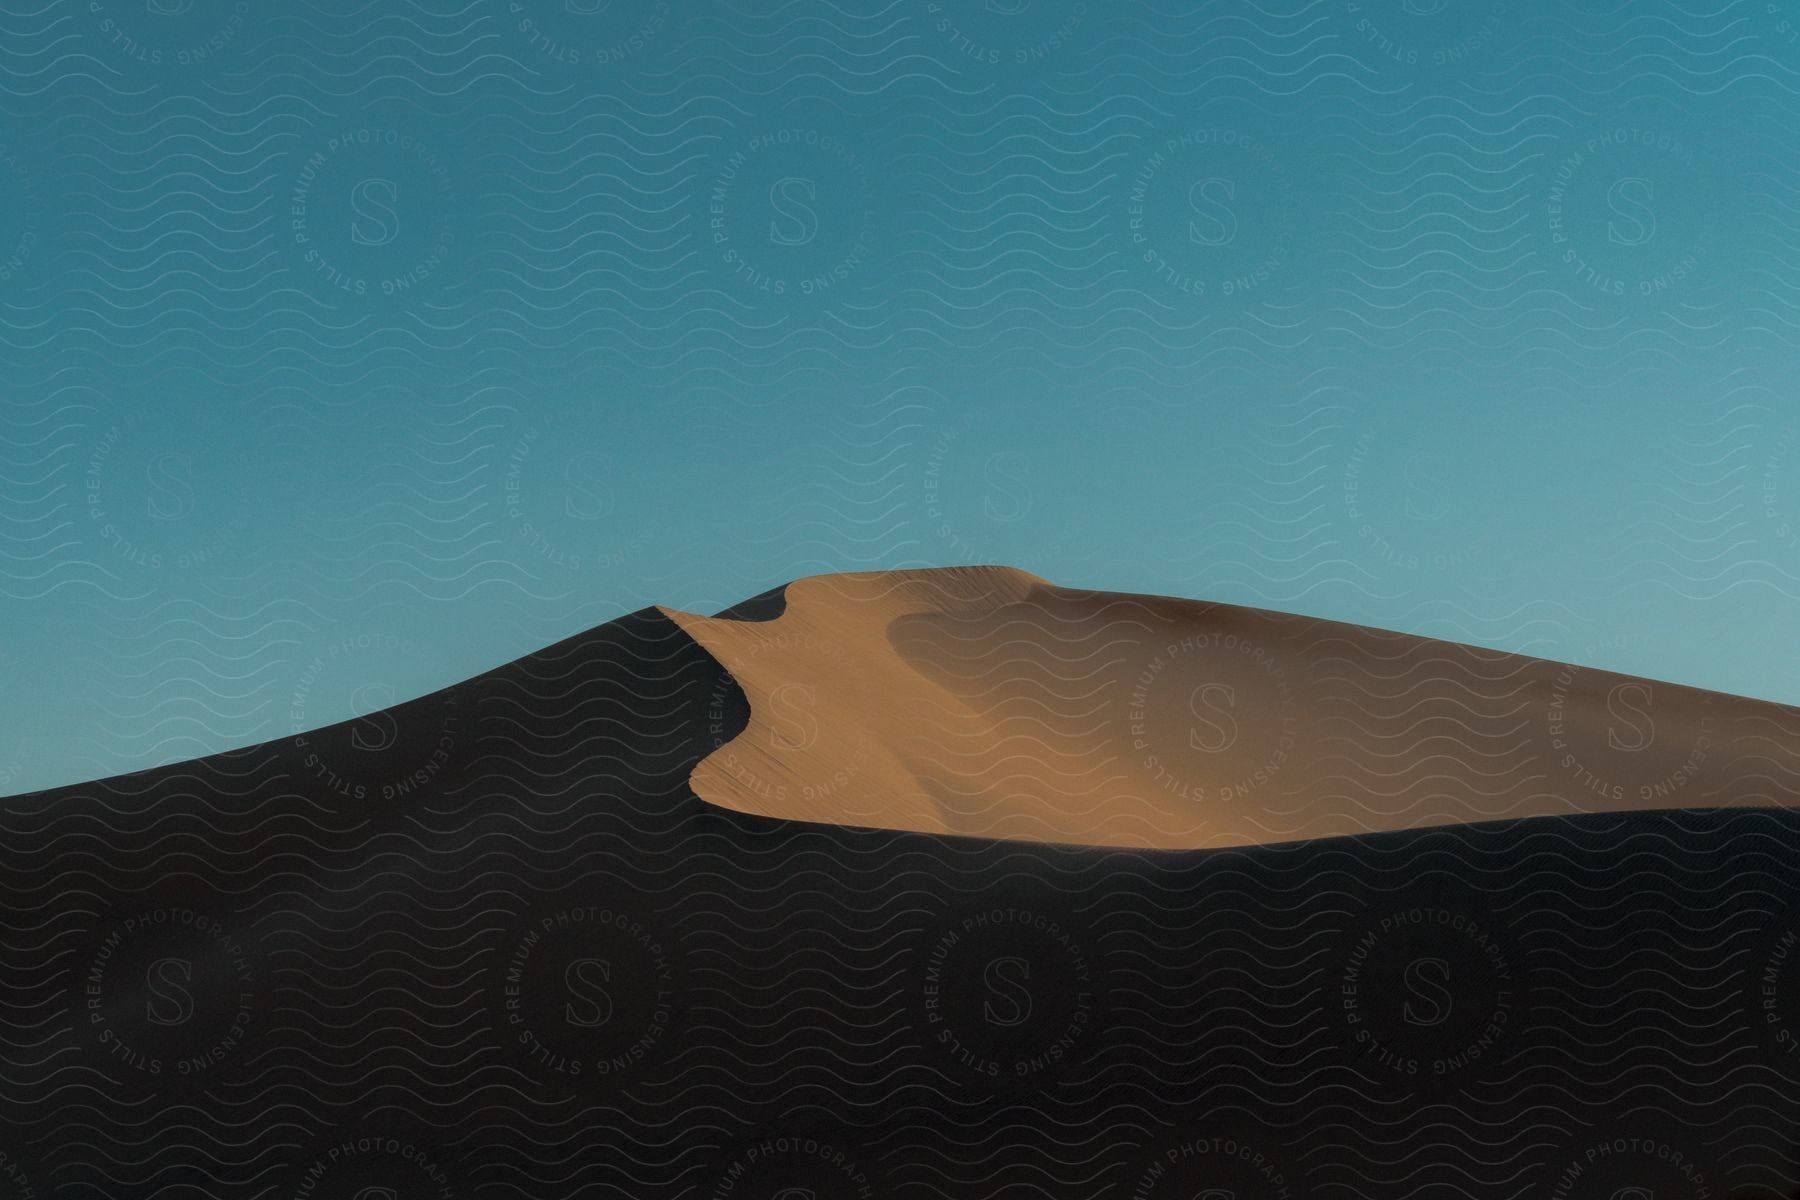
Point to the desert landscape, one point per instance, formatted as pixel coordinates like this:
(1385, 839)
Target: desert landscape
(946, 882)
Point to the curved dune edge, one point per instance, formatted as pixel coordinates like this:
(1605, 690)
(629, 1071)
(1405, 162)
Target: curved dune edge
(988, 702)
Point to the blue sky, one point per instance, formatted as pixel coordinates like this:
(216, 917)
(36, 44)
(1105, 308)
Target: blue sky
(408, 339)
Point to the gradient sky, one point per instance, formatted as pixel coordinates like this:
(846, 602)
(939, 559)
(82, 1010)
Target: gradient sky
(351, 351)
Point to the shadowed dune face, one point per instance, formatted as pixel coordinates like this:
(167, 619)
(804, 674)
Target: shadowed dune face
(988, 702)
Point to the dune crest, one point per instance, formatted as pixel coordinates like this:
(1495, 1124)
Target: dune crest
(988, 702)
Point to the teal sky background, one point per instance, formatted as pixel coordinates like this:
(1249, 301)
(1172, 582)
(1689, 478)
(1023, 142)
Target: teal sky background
(351, 351)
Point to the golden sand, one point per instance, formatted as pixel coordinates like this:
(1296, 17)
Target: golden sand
(987, 702)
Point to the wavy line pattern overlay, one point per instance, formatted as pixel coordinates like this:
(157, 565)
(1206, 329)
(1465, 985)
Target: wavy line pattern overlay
(463, 327)
(489, 943)
(353, 348)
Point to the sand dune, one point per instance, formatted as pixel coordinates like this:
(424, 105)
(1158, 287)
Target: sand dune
(490, 941)
(989, 702)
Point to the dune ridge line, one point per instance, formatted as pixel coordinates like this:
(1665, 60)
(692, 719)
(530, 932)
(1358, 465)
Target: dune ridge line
(985, 701)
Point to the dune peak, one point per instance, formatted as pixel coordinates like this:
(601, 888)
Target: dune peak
(986, 701)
